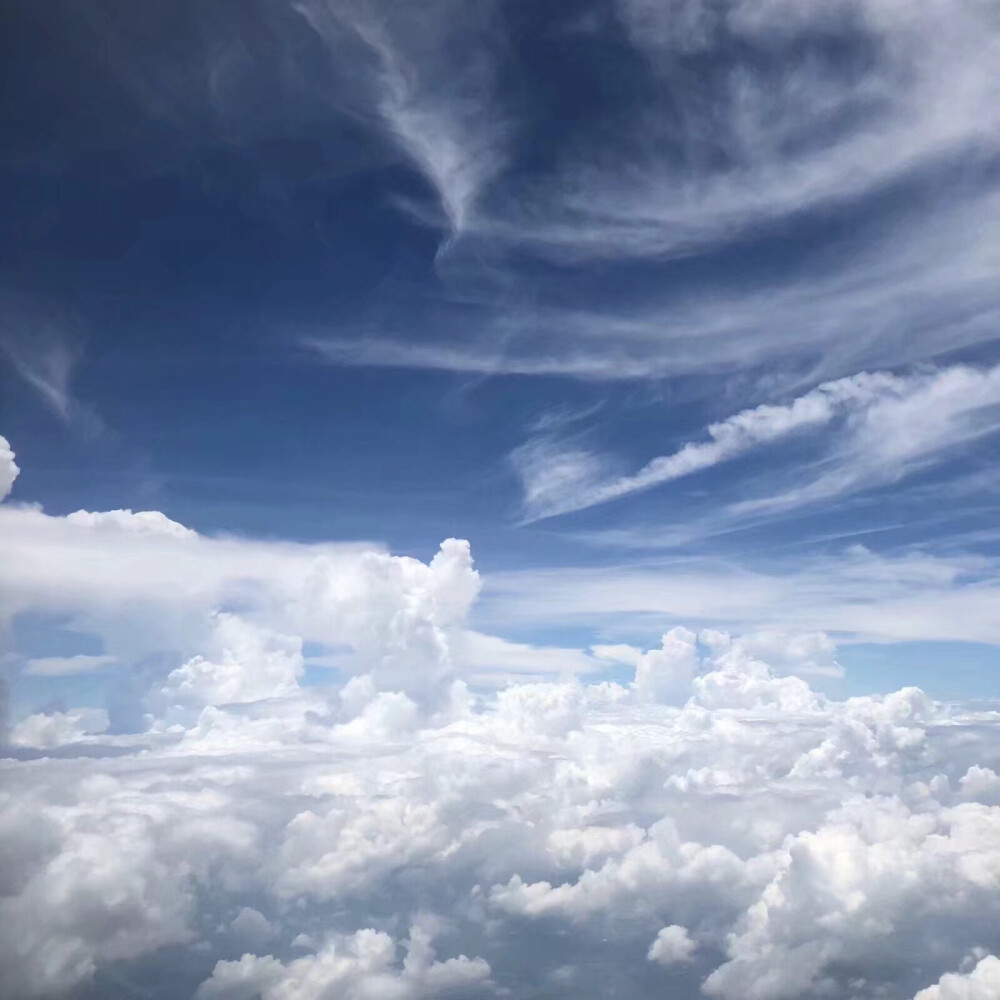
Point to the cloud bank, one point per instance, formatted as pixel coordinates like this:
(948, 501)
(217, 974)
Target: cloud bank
(419, 827)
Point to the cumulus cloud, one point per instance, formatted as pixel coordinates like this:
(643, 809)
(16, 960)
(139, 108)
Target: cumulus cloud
(803, 843)
(981, 983)
(8, 468)
(58, 728)
(894, 426)
(673, 944)
(251, 664)
(402, 832)
(364, 965)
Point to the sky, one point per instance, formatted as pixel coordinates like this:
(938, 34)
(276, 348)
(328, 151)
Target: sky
(499, 499)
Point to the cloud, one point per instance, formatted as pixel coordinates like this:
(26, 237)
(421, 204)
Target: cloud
(45, 349)
(735, 126)
(148, 584)
(781, 129)
(362, 966)
(854, 592)
(432, 88)
(673, 944)
(803, 843)
(248, 664)
(398, 832)
(8, 468)
(892, 426)
(981, 983)
(59, 728)
(66, 666)
(251, 925)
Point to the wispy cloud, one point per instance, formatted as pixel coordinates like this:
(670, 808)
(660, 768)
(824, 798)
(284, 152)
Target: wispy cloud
(721, 149)
(773, 134)
(914, 288)
(67, 666)
(892, 426)
(856, 593)
(45, 351)
(432, 89)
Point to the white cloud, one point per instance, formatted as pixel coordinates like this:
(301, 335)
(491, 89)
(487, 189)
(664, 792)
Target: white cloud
(249, 664)
(58, 728)
(149, 585)
(66, 666)
(45, 347)
(750, 835)
(251, 925)
(821, 133)
(982, 983)
(795, 835)
(854, 593)
(673, 944)
(894, 426)
(8, 468)
(432, 89)
(808, 109)
(356, 968)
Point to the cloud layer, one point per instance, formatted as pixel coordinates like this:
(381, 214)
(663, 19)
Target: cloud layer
(427, 824)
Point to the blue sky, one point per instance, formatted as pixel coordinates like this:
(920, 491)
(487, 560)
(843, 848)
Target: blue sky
(349, 273)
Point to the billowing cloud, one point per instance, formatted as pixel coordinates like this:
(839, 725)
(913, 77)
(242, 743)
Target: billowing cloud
(364, 965)
(8, 468)
(750, 834)
(673, 944)
(442, 819)
(980, 983)
(58, 728)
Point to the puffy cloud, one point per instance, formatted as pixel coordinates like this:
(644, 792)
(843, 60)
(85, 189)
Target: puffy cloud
(982, 983)
(665, 674)
(251, 925)
(149, 586)
(100, 865)
(673, 944)
(8, 467)
(753, 837)
(58, 728)
(143, 522)
(250, 664)
(802, 842)
(359, 967)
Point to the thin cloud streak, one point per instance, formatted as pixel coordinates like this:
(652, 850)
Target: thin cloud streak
(858, 595)
(894, 426)
(439, 110)
(695, 174)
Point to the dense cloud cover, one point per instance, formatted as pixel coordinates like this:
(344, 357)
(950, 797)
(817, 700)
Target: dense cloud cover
(712, 827)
